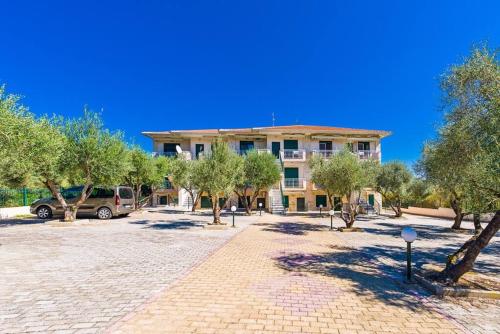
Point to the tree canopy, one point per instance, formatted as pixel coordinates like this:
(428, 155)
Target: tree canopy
(260, 172)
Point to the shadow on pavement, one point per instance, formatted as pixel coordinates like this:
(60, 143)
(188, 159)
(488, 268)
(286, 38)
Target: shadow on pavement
(292, 228)
(20, 221)
(367, 276)
(179, 224)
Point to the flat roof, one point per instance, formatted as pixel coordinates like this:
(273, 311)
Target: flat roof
(282, 129)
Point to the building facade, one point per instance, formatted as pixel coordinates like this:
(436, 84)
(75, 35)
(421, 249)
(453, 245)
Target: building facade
(292, 146)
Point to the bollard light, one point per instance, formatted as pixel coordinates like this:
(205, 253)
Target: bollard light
(409, 235)
(331, 213)
(233, 210)
(260, 209)
(320, 209)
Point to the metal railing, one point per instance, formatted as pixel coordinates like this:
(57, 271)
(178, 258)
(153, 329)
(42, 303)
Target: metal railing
(298, 154)
(367, 154)
(294, 183)
(325, 153)
(187, 155)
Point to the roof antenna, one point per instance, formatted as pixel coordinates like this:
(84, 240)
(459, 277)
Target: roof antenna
(274, 119)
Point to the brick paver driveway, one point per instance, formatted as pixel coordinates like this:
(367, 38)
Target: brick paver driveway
(84, 278)
(288, 274)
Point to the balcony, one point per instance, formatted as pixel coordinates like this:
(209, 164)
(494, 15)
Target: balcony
(367, 154)
(294, 184)
(293, 155)
(325, 154)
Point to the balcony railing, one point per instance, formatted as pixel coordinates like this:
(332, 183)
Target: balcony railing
(326, 154)
(367, 154)
(294, 183)
(297, 155)
(187, 155)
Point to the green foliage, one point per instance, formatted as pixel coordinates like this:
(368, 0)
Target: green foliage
(94, 155)
(342, 174)
(391, 181)
(183, 174)
(260, 170)
(463, 160)
(31, 150)
(260, 173)
(219, 171)
(417, 192)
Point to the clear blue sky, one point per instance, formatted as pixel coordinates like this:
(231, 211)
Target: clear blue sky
(159, 65)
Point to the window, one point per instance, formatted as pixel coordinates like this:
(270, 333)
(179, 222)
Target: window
(126, 193)
(170, 149)
(246, 146)
(325, 145)
(102, 193)
(321, 200)
(363, 146)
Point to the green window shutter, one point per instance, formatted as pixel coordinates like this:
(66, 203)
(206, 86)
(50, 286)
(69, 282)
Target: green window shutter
(206, 202)
(285, 201)
(291, 144)
(291, 173)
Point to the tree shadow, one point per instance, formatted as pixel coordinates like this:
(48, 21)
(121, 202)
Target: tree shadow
(292, 228)
(181, 224)
(368, 277)
(9, 222)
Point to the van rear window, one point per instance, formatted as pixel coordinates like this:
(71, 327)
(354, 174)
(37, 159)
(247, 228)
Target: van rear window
(126, 193)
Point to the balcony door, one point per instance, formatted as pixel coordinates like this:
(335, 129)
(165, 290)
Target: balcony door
(275, 148)
(246, 146)
(200, 148)
(325, 145)
(170, 149)
(363, 146)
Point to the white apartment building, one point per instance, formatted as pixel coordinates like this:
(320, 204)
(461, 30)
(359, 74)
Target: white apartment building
(292, 145)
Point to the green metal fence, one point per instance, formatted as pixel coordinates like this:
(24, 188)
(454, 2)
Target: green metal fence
(21, 197)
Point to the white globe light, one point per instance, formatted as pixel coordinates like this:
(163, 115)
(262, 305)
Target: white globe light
(233, 208)
(260, 204)
(408, 234)
(321, 206)
(331, 212)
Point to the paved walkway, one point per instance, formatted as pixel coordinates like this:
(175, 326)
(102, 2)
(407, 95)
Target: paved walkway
(287, 275)
(82, 279)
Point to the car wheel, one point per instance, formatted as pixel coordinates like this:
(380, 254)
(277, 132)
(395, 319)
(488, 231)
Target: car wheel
(104, 213)
(43, 212)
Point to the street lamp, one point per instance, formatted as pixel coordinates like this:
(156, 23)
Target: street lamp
(320, 208)
(409, 235)
(260, 209)
(233, 210)
(331, 213)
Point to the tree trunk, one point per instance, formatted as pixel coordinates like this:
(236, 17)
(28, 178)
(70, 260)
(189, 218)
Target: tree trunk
(216, 210)
(454, 271)
(138, 191)
(455, 205)
(196, 199)
(477, 223)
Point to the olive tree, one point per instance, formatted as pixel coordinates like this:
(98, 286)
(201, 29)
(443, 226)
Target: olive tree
(441, 165)
(260, 173)
(391, 181)
(144, 170)
(218, 173)
(183, 176)
(343, 175)
(32, 150)
(55, 151)
(471, 96)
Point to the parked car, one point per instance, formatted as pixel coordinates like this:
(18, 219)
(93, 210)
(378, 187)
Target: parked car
(104, 203)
